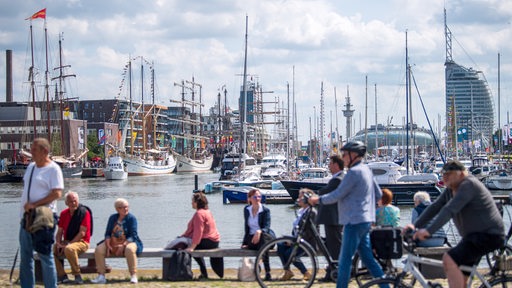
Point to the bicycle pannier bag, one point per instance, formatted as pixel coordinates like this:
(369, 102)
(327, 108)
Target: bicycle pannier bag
(387, 242)
(180, 266)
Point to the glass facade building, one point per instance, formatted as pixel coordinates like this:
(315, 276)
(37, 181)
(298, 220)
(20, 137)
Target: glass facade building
(469, 108)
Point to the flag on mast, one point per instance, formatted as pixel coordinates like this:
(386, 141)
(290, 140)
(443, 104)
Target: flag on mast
(38, 14)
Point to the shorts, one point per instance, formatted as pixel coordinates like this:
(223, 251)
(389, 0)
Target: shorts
(475, 245)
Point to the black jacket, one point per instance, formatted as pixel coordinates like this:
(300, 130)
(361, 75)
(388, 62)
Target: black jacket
(328, 214)
(263, 222)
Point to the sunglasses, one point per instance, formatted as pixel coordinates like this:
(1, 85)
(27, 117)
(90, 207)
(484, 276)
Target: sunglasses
(256, 196)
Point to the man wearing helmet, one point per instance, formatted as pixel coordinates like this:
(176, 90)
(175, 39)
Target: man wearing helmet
(356, 196)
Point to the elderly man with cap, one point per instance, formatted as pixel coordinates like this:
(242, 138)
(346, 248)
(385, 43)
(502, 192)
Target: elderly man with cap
(475, 215)
(357, 197)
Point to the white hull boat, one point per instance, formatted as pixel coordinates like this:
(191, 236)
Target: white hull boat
(500, 180)
(186, 164)
(115, 169)
(136, 166)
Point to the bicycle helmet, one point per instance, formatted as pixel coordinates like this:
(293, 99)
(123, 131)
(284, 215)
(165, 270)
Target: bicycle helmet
(355, 146)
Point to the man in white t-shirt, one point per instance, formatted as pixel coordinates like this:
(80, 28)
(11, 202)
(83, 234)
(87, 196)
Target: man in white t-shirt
(43, 185)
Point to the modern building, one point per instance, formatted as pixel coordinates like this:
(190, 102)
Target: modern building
(389, 138)
(469, 105)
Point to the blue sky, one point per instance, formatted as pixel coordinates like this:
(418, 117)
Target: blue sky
(334, 42)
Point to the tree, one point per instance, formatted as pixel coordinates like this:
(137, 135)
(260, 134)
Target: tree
(95, 149)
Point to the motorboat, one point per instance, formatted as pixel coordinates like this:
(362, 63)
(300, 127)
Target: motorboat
(232, 166)
(276, 195)
(499, 180)
(115, 169)
(403, 191)
(274, 172)
(385, 172)
(315, 174)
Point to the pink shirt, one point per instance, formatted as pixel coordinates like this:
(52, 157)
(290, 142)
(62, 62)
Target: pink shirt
(202, 226)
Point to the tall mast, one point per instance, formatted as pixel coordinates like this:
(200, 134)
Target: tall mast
(366, 112)
(142, 107)
(336, 119)
(60, 95)
(132, 122)
(47, 85)
(322, 123)
(32, 81)
(243, 103)
(500, 140)
(407, 124)
(376, 124)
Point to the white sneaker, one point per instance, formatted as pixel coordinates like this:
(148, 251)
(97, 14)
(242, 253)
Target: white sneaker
(134, 279)
(99, 280)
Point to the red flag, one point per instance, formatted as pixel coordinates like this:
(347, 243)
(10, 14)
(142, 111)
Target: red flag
(38, 14)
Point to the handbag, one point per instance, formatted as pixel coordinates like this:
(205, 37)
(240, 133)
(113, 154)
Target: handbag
(117, 239)
(180, 266)
(267, 237)
(246, 270)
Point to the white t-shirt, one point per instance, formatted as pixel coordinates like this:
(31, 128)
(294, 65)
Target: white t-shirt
(44, 180)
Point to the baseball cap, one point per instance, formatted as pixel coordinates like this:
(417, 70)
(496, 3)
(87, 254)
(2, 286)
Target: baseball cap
(452, 165)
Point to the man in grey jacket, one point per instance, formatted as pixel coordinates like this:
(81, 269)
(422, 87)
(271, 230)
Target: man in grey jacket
(475, 215)
(357, 197)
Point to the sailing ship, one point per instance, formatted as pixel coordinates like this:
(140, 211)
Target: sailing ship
(54, 118)
(193, 155)
(143, 157)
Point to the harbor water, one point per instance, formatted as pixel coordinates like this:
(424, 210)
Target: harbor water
(161, 204)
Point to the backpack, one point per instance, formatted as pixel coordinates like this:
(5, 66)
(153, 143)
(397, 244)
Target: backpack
(387, 242)
(180, 266)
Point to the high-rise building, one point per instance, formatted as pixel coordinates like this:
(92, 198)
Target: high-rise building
(469, 105)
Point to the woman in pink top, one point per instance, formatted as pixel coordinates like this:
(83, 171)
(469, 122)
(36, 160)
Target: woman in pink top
(204, 234)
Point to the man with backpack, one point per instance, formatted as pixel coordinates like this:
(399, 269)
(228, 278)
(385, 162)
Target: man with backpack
(73, 237)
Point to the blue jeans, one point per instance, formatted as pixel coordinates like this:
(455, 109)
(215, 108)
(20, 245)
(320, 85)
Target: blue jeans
(356, 237)
(27, 277)
(284, 252)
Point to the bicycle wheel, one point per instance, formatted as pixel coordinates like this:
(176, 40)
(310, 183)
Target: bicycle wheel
(302, 251)
(384, 283)
(492, 256)
(503, 281)
(361, 274)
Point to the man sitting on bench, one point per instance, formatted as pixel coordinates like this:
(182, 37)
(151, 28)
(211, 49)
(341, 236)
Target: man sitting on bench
(73, 237)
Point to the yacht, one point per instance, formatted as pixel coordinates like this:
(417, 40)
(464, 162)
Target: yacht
(115, 169)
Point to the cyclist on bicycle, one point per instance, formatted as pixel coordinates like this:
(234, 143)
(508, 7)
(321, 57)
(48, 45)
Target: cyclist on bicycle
(475, 215)
(357, 197)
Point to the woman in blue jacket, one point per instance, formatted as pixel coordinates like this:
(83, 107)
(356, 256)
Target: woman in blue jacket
(257, 226)
(121, 238)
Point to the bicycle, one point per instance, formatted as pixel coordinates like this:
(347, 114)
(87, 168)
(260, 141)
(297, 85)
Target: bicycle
(301, 249)
(507, 249)
(499, 279)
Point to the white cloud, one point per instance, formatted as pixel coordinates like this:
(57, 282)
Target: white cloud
(337, 42)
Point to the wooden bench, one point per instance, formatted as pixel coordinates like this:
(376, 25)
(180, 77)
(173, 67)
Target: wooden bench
(156, 253)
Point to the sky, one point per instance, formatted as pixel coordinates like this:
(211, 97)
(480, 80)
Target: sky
(300, 43)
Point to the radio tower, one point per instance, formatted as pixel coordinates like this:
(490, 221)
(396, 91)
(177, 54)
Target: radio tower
(348, 114)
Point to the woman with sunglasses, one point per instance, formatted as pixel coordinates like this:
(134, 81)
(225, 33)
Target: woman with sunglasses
(257, 226)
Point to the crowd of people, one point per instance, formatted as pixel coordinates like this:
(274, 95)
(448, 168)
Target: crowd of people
(348, 207)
